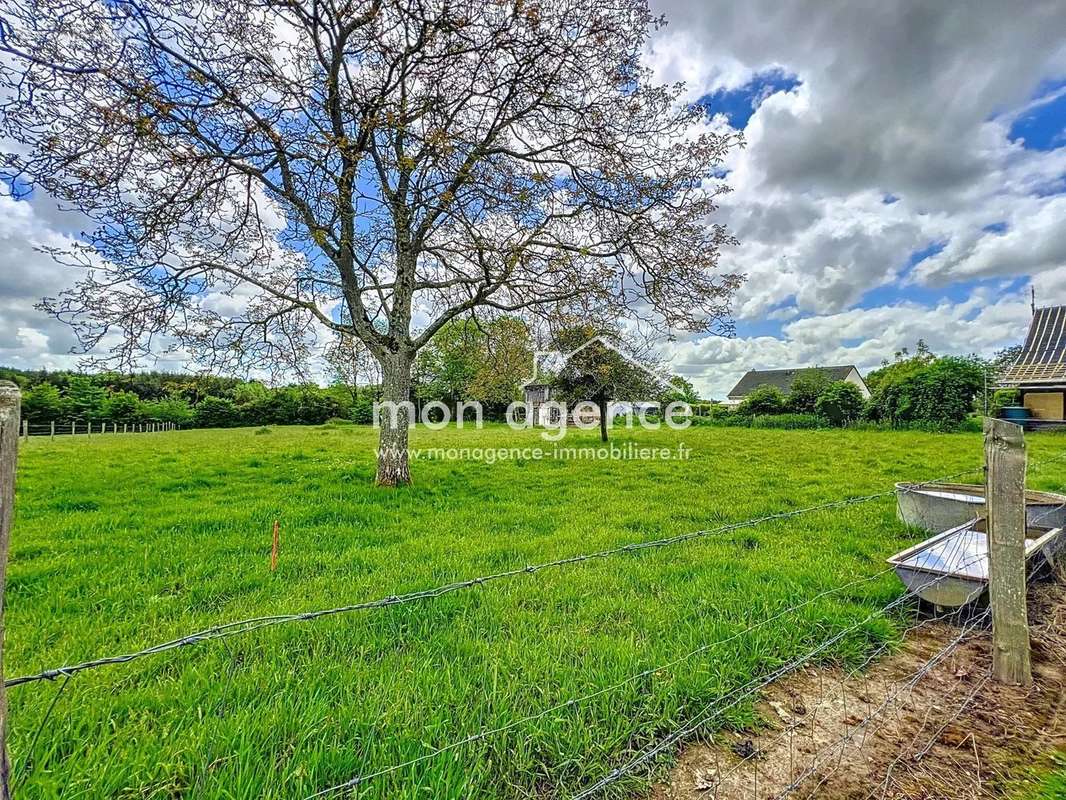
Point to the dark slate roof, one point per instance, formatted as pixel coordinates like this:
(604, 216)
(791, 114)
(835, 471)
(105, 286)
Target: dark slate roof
(783, 378)
(1043, 357)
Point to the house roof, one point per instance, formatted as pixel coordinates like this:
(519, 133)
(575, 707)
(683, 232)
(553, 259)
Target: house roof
(783, 378)
(1043, 357)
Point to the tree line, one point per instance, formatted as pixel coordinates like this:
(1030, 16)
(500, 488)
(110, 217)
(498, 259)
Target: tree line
(185, 400)
(490, 362)
(468, 360)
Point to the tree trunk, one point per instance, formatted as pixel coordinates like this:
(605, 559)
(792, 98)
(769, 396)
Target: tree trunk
(393, 466)
(601, 399)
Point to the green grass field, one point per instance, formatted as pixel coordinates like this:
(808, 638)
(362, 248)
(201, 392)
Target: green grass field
(125, 541)
(1047, 780)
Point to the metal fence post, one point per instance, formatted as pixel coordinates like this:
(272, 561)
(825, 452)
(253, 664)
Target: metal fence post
(10, 402)
(1005, 494)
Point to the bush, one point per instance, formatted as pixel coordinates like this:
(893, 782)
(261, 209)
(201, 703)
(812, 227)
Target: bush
(217, 412)
(1002, 398)
(709, 410)
(790, 422)
(762, 400)
(840, 402)
(43, 403)
(938, 394)
(806, 389)
(122, 407)
(363, 409)
(974, 424)
(175, 410)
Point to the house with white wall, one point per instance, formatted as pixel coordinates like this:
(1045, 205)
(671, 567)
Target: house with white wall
(784, 378)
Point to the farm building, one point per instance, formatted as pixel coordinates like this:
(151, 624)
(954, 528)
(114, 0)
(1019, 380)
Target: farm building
(1040, 370)
(783, 379)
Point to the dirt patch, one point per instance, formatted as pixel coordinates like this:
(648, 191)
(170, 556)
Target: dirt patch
(902, 729)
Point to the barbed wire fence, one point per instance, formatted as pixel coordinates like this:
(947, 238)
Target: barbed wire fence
(714, 710)
(648, 755)
(834, 751)
(877, 717)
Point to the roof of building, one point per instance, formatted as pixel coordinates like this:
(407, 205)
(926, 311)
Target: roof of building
(783, 378)
(1043, 357)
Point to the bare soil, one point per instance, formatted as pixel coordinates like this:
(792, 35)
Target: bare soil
(895, 730)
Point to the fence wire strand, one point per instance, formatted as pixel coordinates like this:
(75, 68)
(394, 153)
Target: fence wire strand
(830, 751)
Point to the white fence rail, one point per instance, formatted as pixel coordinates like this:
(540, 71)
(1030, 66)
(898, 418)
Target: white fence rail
(91, 428)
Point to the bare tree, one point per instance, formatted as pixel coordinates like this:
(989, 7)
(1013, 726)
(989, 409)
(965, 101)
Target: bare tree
(252, 167)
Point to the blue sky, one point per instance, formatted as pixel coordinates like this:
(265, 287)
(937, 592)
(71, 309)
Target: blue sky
(1043, 125)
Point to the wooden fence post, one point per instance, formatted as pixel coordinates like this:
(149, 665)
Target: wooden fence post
(52, 431)
(10, 402)
(1005, 494)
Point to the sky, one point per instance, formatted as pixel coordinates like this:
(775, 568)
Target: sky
(904, 177)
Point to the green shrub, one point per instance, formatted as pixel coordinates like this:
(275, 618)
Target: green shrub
(806, 389)
(43, 403)
(363, 409)
(840, 402)
(217, 412)
(710, 410)
(938, 395)
(722, 417)
(762, 400)
(972, 424)
(736, 420)
(789, 421)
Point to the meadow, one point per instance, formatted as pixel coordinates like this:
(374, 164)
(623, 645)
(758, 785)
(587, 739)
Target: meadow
(124, 541)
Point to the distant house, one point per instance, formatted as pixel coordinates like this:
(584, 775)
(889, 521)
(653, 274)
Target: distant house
(537, 396)
(1040, 371)
(783, 379)
(543, 413)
